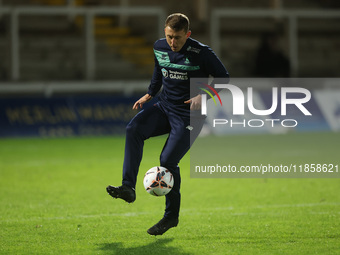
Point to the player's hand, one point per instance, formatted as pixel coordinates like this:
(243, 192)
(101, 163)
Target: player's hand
(195, 102)
(144, 99)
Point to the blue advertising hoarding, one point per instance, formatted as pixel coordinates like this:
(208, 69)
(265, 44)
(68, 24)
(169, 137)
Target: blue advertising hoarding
(65, 116)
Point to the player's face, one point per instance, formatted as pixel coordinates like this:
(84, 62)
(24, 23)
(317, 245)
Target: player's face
(176, 39)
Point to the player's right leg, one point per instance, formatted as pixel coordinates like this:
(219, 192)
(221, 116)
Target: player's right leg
(124, 192)
(147, 123)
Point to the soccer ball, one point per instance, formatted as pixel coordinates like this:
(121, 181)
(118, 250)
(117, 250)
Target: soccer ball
(158, 181)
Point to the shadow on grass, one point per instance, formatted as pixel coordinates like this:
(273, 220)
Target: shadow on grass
(160, 246)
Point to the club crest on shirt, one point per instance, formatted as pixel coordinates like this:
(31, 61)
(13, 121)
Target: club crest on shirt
(165, 73)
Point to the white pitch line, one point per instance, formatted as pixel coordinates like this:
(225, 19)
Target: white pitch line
(128, 214)
(184, 211)
(266, 206)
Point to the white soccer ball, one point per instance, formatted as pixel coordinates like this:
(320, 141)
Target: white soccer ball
(158, 181)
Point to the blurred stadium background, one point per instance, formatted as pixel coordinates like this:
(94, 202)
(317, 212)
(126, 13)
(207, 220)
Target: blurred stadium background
(73, 68)
(70, 67)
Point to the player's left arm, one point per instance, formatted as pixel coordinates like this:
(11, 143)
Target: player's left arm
(195, 102)
(212, 66)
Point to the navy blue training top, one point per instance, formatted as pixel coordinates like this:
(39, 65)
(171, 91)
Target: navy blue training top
(173, 70)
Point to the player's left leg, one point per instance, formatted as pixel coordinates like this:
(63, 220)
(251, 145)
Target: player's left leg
(181, 136)
(183, 133)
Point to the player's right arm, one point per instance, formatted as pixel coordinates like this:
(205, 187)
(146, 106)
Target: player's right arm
(139, 103)
(157, 77)
(154, 87)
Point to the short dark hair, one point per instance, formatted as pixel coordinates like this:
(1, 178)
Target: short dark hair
(178, 22)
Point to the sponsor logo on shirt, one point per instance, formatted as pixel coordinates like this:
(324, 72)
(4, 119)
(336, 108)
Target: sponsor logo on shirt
(175, 75)
(193, 49)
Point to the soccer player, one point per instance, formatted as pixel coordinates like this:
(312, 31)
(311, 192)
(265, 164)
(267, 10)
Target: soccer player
(178, 58)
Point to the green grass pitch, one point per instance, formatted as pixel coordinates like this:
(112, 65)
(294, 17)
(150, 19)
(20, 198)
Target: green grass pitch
(53, 201)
